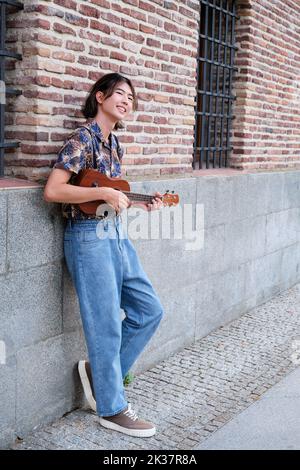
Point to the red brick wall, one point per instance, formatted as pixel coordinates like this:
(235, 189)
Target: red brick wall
(65, 48)
(154, 43)
(266, 129)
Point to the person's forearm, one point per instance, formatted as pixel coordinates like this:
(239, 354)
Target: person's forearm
(68, 193)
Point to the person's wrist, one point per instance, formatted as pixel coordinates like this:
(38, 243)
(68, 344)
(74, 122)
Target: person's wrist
(104, 193)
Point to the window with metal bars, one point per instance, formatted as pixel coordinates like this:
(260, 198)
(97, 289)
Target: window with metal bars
(215, 69)
(6, 6)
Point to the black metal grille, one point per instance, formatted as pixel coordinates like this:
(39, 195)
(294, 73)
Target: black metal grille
(5, 7)
(214, 83)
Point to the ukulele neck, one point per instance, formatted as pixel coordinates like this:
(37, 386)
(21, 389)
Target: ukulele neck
(139, 197)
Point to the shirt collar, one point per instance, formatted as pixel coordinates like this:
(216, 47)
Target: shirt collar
(95, 128)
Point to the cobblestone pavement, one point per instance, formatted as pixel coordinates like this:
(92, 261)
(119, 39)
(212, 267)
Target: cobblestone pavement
(196, 391)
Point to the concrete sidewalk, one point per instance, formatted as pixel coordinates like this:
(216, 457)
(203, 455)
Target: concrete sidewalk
(194, 393)
(272, 423)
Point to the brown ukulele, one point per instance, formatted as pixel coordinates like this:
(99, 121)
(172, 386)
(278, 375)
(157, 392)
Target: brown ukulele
(92, 178)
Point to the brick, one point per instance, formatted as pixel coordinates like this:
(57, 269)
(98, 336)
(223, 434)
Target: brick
(101, 3)
(149, 7)
(71, 99)
(110, 42)
(29, 162)
(99, 26)
(64, 56)
(88, 35)
(76, 72)
(129, 24)
(75, 46)
(50, 40)
(99, 51)
(153, 43)
(59, 83)
(152, 65)
(59, 136)
(135, 149)
(39, 149)
(87, 61)
(142, 160)
(76, 20)
(44, 9)
(25, 135)
(70, 4)
(87, 10)
(118, 56)
(30, 51)
(43, 81)
(63, 111)
(137, 38)
(30, 23)
(146, 29)
(148, 52)
(60, 28)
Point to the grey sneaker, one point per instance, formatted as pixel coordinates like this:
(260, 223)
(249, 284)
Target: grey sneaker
(128, 423)
(85, 375)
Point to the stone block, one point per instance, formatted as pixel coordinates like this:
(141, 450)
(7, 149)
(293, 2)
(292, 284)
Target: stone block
(291, 190)
(282, 229)
(46, 375)
(263, 277)
(34, 230)
(8, 401)
(3, 230)
(31, 305)
(218, 299)
(244, 240)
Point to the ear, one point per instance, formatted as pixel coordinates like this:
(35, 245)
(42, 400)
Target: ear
(99, 97)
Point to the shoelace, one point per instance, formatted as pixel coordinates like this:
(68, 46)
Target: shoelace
(131, 414)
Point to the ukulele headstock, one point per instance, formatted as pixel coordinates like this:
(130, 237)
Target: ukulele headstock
(170, 199)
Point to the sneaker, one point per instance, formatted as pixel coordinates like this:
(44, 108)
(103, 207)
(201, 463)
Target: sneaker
(128, 423)
(85, 375)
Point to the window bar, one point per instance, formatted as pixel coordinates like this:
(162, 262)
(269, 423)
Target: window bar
(223, 89)
(5, 91)
(217, 84)
(197, 99)
(203, 108)
(232, 37)
(210, 97)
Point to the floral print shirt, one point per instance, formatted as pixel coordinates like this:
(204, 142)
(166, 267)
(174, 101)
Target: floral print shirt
(86, 148)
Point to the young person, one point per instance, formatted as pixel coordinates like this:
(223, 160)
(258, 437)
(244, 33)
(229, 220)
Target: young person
(106, 270)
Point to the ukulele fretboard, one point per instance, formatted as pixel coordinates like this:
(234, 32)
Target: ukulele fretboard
(139, 197)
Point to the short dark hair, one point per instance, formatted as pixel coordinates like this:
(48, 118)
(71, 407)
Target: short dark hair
(107, 83)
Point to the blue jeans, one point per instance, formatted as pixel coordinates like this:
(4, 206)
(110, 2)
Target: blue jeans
(107, 275)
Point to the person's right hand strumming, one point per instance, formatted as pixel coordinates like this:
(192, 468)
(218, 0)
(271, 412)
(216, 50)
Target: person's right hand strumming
(116, 199)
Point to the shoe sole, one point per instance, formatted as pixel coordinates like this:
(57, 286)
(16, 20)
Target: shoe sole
(86, 385)
(128, 431)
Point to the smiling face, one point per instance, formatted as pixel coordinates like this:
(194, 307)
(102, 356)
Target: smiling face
(119, 105)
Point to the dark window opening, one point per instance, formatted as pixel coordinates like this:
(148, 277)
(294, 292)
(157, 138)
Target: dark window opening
(213, 110)
(6, 7)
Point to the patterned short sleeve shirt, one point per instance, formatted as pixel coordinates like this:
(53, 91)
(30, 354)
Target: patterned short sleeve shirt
(87, 148)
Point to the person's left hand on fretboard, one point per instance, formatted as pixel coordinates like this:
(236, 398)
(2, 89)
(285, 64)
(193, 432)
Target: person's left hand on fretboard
(155, 204)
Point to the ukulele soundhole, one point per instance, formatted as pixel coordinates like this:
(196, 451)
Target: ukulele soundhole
(104, 210)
